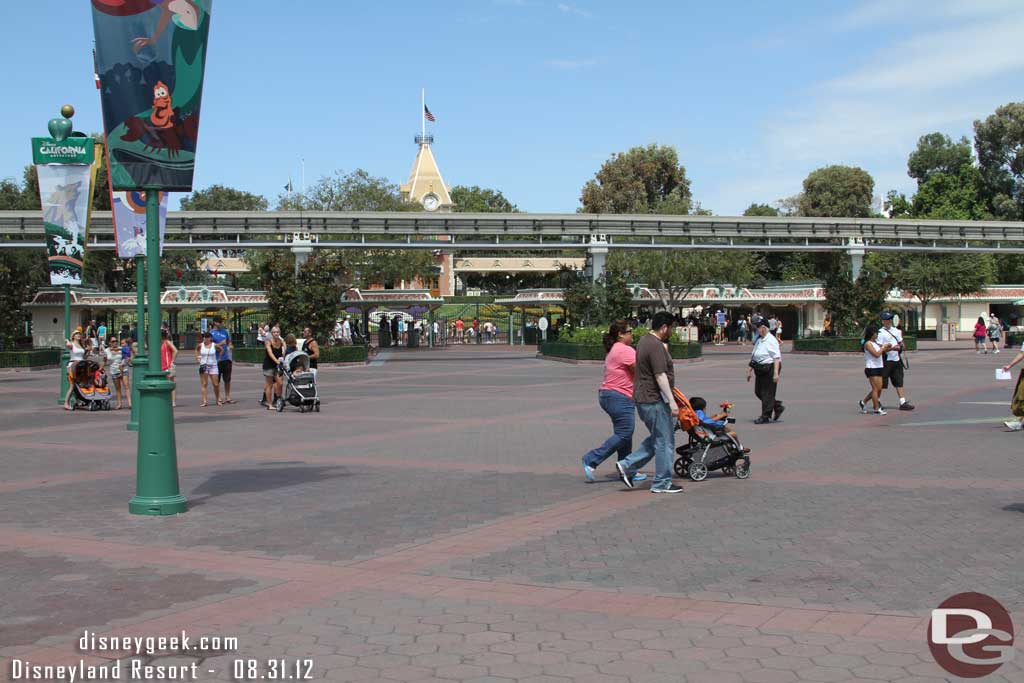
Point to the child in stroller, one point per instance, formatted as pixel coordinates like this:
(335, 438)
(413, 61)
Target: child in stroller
(712, 445)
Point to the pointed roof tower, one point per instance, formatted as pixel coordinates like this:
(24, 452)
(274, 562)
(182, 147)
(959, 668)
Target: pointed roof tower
(426, 186)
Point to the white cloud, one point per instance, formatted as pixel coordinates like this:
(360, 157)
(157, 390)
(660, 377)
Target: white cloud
(569, 64)
(941, 59)
(872, 13)
(955, 63)
(573, 9)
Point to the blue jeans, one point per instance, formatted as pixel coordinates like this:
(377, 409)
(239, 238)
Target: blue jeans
(660, 445)
(620, 410)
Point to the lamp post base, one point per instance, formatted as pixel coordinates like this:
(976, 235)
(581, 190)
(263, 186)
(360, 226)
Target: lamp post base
(167, 505)
(156, 483)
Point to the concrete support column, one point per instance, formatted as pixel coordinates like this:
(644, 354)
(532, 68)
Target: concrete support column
(856, 252)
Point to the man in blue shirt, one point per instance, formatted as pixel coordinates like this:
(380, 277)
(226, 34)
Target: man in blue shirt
(222, 340)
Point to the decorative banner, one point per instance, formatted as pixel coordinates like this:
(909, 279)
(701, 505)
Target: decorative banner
(150, 57)
(129, 211)
(64, 190)
(68, 151)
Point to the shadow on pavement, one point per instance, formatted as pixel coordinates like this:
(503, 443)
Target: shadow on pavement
(251, 480)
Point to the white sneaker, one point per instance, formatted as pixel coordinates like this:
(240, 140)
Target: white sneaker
(863, 408)
(588, 472)
(1014, 425)
(881, 411)
(996, 351)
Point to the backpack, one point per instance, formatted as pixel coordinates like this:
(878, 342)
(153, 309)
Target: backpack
(687, 415)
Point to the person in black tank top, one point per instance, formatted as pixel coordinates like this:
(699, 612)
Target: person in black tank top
(272, 377)
(312, 349)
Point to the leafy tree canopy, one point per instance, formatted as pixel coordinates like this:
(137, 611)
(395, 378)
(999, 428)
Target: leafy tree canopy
(937, 153)
(313, 297)
(355, 191)
(761, 210)
(480, 200)
(222, 198)
(837, 191)
(999, 141)
(642, 180)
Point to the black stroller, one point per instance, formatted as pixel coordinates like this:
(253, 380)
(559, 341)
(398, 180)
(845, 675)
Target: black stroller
(299, 384)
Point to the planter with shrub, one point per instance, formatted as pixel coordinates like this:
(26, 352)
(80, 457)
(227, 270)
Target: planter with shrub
(328, 354)
(828, 345)
(585, 345)
(36, 358)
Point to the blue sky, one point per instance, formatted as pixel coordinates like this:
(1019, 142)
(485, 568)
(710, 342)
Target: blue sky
(531, 96)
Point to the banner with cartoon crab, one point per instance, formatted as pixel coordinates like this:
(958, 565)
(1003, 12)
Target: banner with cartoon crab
(129, 210)
(66, 194)
(150, 57)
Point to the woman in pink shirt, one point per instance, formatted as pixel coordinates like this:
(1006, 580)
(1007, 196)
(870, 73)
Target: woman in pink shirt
(616, 397)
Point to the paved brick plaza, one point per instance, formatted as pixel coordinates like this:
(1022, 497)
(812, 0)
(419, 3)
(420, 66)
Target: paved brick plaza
(432, 524)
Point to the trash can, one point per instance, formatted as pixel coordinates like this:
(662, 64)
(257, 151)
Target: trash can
(414, 338)
(384, 337)
(532, 335)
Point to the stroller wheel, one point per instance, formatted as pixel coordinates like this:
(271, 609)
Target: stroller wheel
(728, 471)
(316, 406)
(280, 405)
(679, 467)
(698, 471)
(743, 468)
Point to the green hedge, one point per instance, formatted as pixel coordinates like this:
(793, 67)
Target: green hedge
(560, 349)
(840, 344)
(29, 359)
(1015, 339)
(328, 354)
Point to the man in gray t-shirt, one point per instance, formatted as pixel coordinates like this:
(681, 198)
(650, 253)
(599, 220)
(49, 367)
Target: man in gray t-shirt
(652, 393)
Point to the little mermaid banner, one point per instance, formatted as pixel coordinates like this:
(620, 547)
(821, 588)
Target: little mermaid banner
(150, 57)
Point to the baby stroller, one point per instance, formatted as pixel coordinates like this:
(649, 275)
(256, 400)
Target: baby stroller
(86, 393)
(708, 448)
(299, 383)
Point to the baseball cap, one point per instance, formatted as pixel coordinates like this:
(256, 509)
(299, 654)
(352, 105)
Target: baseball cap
(887, 316)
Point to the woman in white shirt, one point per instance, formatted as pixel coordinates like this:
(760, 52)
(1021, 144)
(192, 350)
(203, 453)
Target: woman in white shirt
(874, 365)
(206, 356)
(74, 345)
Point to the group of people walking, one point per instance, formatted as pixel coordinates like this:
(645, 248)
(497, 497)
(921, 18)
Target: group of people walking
(883, 365)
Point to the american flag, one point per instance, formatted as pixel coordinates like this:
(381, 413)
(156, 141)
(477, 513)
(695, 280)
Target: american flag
(427, 114)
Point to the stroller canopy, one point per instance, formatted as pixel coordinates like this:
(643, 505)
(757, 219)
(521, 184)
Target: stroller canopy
(297, 361)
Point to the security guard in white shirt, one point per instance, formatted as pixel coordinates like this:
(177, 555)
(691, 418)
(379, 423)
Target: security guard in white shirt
(766, 365)
(892, 371)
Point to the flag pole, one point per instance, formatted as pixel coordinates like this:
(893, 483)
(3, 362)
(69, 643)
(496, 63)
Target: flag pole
(303, 176)
(423, 113)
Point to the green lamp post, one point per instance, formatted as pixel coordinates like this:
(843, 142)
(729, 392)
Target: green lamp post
(60, 128)
(140, 360)
(156, 480)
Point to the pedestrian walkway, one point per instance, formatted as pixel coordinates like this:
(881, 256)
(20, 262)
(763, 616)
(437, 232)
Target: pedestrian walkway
(432, 524)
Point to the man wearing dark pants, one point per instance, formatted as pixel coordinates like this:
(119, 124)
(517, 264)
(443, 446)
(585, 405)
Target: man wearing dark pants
(892, 370)
(652, 393)
(765, 366)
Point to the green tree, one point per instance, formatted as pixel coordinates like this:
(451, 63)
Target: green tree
(937, 153)
(312, 298)
(674, 273)
(930, 276)
(222, 198)
(355, 191)
(22, 271)
(480, 200)
(761, 210)
(999, 141)
(641, 180)
(952, 196)
(618, 298)
(837, 191)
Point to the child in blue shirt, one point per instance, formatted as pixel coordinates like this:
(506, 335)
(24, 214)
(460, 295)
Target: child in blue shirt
(715, 422)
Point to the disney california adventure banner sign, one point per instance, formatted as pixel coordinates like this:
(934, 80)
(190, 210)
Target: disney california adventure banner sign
(150, 57)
